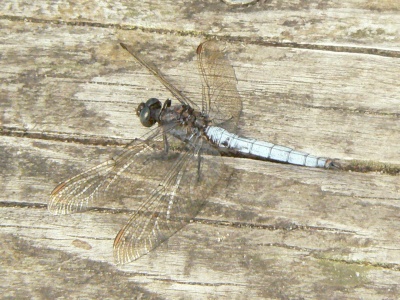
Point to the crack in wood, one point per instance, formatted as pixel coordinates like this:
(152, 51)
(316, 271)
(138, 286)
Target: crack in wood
(261, 41)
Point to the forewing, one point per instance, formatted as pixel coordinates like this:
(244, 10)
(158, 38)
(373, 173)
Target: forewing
(160, 76)
(221, 100)
(92, 186)
(187, 182)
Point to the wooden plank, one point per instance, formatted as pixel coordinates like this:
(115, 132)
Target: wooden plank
(271, 230)
(328, 101)
(362, 24)
(280, 221)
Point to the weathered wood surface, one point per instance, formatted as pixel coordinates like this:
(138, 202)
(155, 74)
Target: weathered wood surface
(272, 230)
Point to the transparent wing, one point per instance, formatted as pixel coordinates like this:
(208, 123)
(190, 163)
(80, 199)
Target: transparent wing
(160, 76)
(187, 180)
(81, 191)
(172, 188)
(221, 100)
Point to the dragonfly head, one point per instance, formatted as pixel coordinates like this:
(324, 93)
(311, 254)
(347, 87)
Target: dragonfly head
(149, 112)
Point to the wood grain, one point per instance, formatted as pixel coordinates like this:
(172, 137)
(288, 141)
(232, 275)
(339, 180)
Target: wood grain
(318, 76)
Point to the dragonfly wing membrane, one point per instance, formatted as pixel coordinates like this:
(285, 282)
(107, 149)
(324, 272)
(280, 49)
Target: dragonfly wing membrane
(160, 76)
(166, 176)
(100, 183)
(175, 201)
(221, 100)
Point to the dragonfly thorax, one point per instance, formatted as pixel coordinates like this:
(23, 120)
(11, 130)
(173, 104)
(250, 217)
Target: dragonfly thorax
(192, 119)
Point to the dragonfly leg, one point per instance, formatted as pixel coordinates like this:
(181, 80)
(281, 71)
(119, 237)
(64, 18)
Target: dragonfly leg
(167, 103)
(198, 152)
(166, 144)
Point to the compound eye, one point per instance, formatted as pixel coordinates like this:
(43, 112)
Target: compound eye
(153, 103)
(146, 117)
(149, 112)
(140, 108)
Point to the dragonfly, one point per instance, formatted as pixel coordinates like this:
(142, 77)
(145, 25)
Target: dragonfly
(175, 167)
